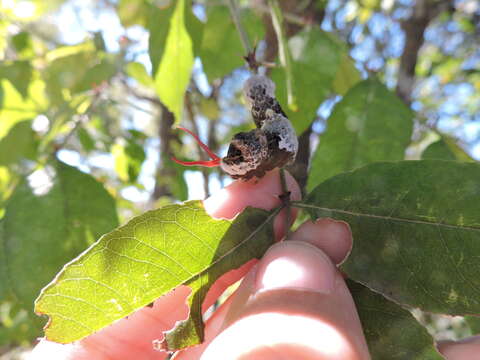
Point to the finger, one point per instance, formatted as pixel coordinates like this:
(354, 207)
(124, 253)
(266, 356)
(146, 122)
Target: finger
(214, 325)
(323, 233)
(299, 307)
(261, 193)
(466, 349)
(333, 237)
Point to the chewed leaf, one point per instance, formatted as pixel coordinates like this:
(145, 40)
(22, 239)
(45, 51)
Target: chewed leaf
(152, 254)
(416, 230)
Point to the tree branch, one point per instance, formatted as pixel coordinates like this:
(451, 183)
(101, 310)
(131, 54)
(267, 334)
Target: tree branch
(164, 174)
(424, 11)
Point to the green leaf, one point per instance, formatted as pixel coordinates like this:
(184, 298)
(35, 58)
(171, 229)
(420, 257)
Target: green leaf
(7, 180)
(221, 50)
(315, 61)
(173, 74)
(446, 149)
(129, 158)
(19, 143)
(23, 44)
(347, 75)
(132, 12)
(178, 186)
(416, 230)
(16, 108)
(47, 224)
(152, 254)
(17, 324)
(438, 150)
(19, 73)
(5, 290)
(474, 324)
(158, 25)
(85, 139)
(95, 75)
(369, 124)
(194, 27)
(137, 71)
(74, 69)
(391, 331)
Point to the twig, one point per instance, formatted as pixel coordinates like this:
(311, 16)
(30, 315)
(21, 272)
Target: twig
(139, 96)
(289, 17)
(284, 53)
(285, 198)
(241, 31)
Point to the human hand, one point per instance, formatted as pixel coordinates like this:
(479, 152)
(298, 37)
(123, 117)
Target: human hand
(292, 304)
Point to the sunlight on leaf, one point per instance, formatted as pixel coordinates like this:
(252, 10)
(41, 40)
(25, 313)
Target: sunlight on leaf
(152, 254)
(173, 75)
(15, 108)
(137, 71)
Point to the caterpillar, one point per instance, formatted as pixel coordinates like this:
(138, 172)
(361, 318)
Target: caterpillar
(273, 144)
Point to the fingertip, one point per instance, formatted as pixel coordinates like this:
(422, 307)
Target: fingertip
(260, 193)
(297, 294)
(295, 265)
(331, 236)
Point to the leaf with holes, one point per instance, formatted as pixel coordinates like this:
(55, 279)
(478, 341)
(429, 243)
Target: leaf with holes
(416, 230)
(152, 254)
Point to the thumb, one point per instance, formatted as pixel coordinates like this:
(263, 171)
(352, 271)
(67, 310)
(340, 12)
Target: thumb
(296, 305)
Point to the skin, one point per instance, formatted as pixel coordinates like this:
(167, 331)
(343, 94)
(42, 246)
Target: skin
(306, 313)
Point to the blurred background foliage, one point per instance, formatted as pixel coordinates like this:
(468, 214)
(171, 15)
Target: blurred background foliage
(91, 91)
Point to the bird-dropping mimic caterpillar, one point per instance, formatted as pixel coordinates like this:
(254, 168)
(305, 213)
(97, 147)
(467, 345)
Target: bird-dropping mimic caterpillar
(273, 144)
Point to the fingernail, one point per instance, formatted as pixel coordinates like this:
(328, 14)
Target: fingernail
(295, 265)
(331, 236)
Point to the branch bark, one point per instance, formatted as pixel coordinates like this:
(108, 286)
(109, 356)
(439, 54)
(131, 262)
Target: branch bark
(164, 174)
(424, 11)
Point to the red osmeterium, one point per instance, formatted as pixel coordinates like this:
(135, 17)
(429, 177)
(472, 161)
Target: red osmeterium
(209, 163)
